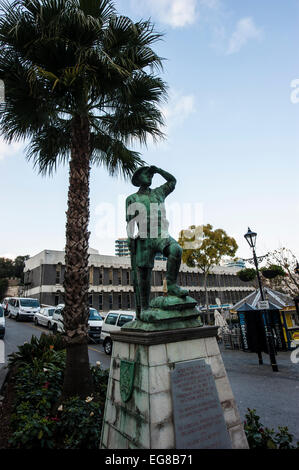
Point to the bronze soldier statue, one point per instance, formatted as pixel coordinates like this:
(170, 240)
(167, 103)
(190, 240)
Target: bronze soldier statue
(145, 212)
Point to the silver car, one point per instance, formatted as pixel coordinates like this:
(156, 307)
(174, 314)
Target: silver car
(44, 316)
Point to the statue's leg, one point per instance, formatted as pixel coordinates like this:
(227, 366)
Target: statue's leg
(174, 255)
(144, 282)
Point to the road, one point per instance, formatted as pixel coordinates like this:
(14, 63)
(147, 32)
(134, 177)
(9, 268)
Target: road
(19, 332)
(274, 395)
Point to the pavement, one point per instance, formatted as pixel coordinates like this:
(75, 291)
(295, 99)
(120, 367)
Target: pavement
(274, 395)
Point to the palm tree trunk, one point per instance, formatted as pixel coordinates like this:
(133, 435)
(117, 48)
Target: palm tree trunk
(77, 378)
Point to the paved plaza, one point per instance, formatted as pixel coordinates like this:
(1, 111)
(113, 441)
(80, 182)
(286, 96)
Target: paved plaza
(274, 395)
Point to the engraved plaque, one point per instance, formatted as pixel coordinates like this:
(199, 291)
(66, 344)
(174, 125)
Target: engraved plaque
(198, 415)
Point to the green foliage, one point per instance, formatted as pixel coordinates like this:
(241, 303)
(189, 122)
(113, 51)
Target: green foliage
(6, 268)
(80, 423)
(38, 381)
(61, 59)
(260, 437)
(12, 268)
(247, 274)
(272, 271)
(204, 247)
(33, 431)
(42, 348)
(100, 378)
(3, 287)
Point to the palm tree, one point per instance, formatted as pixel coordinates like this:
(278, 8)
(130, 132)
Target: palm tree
(80, 86)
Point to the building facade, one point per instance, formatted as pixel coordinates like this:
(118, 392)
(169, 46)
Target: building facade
(110, 285)
(121, 247)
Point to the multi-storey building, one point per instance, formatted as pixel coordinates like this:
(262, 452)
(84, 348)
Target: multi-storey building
(121, 247)
(110, 281)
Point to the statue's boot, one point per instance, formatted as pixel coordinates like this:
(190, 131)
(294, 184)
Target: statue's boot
(174, 289)
(173, 267)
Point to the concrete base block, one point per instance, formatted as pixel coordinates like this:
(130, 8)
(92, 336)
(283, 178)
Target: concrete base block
(146, 420)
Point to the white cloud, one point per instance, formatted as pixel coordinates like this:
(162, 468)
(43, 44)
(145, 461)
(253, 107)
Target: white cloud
(245, 30)
(176, 13)
(212, 4)
(9, 149)
(178, 109)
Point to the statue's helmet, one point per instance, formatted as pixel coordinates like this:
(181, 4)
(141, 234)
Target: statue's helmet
(136, 176)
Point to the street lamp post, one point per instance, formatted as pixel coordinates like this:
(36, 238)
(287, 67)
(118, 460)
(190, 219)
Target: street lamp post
(251, 239)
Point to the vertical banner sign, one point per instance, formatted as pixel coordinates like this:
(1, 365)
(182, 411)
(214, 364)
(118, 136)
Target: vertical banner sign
(243, 329)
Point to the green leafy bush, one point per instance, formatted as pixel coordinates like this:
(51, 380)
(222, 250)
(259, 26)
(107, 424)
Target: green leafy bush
(34, 431)
(38, 348)
(38, 380)
(272, 271)
(260, 437)
(3, 287)
(80, 423)
(247, 274)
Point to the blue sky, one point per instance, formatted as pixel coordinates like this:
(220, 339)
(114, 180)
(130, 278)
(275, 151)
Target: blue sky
(232, 133)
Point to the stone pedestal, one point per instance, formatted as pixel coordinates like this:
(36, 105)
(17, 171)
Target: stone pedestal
(146, 420)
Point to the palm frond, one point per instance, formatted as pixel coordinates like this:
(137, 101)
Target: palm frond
(50, 147)
(73, 58)
(114, 155)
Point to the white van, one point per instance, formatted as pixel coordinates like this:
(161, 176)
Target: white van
(2, 323)
(113, 322)
(22, 307)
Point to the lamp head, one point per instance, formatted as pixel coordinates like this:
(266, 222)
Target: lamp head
(251, 238)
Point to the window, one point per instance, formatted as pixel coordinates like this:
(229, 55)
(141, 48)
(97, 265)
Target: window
(29, 303)
(58, 274)
(128, 301)
(101, 302)
(124, 319)
(91, 275)
(90, 300)
(101, 276)
(110, 301)
(111, 319)
(56, 300)
(128, 278)
(119, 301)
(94, 315)
(119, 277)
(110, 276)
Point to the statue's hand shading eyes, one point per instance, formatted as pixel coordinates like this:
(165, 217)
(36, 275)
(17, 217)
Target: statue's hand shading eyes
(153, 169)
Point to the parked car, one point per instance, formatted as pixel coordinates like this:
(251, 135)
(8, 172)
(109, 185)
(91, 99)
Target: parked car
(5, 305)
(22, 307)
(113, 322)
(2, 323)
(95, 322)
(43, 317)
